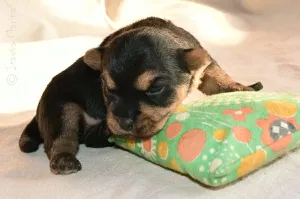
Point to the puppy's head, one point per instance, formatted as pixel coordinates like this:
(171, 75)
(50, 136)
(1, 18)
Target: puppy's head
(144, 79)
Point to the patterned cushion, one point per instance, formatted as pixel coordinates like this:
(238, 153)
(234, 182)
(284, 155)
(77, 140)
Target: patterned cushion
(224, 137)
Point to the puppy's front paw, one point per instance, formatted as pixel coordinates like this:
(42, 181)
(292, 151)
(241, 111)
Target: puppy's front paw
(257, 86)
(64, 163)
(239, 87)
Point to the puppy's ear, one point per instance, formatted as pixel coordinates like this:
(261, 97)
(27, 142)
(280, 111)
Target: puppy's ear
(196, 58)
(93, 58)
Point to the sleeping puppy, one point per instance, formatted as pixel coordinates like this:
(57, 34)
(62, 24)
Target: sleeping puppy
(127, 86)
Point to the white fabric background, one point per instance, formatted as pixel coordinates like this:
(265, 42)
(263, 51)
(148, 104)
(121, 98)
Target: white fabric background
(253, 41)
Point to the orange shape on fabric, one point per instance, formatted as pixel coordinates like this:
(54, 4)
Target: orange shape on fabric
(163, 150)
(252, 162)
(220, 134)
(281, 108)
(191, 144)
(181, 108)
(131, 144)
(173, 130)
(147, 145)
(240, 114)
(241, 134)
(267, 140)
(174, 165)
(276, 145)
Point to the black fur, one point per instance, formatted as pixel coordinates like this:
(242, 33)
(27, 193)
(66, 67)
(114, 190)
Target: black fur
(31, 139)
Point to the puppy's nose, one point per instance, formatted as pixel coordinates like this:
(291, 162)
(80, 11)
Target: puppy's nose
(126, 124)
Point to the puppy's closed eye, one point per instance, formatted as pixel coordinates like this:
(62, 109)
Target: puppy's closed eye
(155, 90)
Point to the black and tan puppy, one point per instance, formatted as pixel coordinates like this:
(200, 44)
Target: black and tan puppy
(127, 86)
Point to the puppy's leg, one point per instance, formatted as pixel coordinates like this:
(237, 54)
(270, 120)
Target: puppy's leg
(30, 138)
(65, 146)
(96, 136)
(215, 80)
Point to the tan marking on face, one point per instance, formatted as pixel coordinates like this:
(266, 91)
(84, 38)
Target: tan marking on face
(156, 113)
(153, 118)
(104, 95)
(108, 80)
(147, 127)
(144, 80)
(182, 92)
(113, 124)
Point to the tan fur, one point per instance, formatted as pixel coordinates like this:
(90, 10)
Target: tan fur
(154, 118)
(215, 81)
(64, 145)
(67, 142)
(108, 80)
(182, 92)
(113, 124)
(144, 80)
(196, 78)
(93, 58)
(153, 112)
(197, 60)
(157, 113)
(208, 76)
(148, 128)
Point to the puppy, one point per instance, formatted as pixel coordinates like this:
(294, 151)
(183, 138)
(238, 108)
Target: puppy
(127, 86)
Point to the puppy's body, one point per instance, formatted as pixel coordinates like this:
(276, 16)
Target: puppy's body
(128, 85)
(71, 111)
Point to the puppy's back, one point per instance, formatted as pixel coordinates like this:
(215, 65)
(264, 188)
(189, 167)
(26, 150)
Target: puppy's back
(157, 25)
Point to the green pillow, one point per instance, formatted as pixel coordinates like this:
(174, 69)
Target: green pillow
(223, 137)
